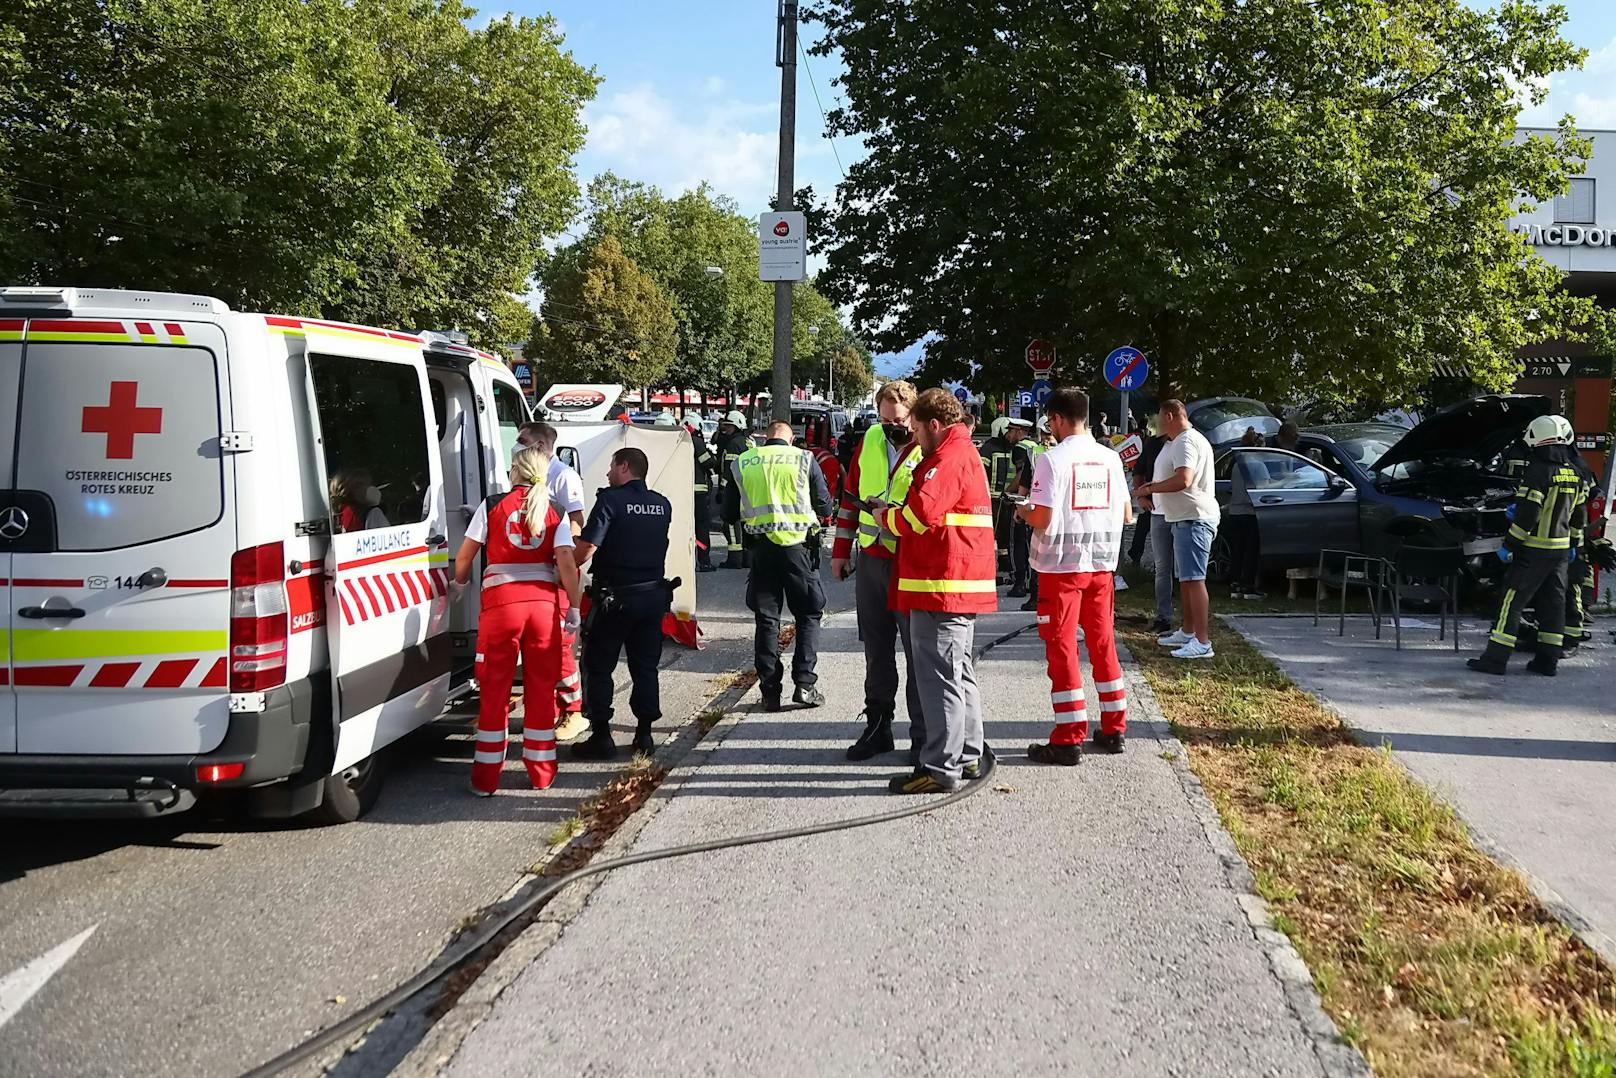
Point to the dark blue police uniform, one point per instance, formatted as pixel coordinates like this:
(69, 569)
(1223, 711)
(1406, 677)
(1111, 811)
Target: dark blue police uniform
(629, 528)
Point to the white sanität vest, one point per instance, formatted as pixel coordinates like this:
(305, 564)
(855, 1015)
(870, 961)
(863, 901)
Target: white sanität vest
(1081, 482)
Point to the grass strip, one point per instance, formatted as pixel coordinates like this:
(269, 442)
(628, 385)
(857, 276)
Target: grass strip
(1431, 957)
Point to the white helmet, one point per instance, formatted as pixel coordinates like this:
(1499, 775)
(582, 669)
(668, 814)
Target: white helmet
(1043, 424)
(1550, 430)
(665, 418)
(737, 418)
(997, 428)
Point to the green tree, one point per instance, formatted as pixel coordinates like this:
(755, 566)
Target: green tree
(725, 318)
(1263, 195)
(370, 159)
(604, 319)
(821, 342)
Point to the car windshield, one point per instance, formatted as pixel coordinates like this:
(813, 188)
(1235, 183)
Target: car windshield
(1365, 450)
(1214, 415)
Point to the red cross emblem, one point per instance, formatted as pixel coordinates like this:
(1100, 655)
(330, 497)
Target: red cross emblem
(120, 419)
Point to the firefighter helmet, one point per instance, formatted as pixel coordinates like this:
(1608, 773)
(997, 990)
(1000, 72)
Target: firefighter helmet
(1549, 430)
(997, 428)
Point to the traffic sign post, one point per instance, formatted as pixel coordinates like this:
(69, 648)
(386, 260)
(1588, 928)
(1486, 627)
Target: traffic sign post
(962, 395)
(1126, 369)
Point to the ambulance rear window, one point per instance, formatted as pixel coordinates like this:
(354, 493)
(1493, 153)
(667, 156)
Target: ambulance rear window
(124, 438)
(373, 421)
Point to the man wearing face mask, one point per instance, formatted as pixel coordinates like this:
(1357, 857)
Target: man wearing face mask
(881, 469)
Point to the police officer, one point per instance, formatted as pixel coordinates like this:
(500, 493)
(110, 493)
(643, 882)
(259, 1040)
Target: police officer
(1020, 435)
(1002, 460)
(777, 496)
(1551, 511)
(732, 442)
(625, 542)
(705, 462)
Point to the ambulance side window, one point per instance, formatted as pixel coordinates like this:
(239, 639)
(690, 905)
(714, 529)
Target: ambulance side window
(440, 405)
(511, 414)
(373, 423)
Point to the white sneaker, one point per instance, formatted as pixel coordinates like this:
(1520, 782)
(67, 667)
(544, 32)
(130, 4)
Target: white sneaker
(1194, 650)
(1175, 639)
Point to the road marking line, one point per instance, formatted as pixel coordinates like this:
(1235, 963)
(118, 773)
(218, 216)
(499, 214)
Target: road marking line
(19, 986)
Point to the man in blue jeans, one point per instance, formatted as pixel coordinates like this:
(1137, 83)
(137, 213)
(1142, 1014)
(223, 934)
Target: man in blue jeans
(1183, 493)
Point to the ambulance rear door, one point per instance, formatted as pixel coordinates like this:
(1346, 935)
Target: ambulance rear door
(119, 588)
(15, 520)
(388, 571)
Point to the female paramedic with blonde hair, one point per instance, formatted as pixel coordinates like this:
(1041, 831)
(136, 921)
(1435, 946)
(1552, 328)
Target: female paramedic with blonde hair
(529, 557)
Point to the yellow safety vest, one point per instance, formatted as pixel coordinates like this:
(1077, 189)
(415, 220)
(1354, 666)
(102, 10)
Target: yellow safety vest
(773, 484)
(874, 483)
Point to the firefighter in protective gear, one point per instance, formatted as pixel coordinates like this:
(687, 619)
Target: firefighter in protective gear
(777, 497)
(732, 442)
(881, 471)
(530, 560)
(821, 444)
(1551, 512)
(944, 579)
(705, 464)
(1020, 434)
(1077, 509)
(1001, 460)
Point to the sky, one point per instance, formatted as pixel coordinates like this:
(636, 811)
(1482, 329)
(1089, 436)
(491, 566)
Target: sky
(690, 92)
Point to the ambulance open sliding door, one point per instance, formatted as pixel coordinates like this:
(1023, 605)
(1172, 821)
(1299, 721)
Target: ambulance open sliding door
(388, 571)
(14, 518)
(465, 485)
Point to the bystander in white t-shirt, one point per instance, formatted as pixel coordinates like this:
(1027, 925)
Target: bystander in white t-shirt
(566, 488)
(1198, 501)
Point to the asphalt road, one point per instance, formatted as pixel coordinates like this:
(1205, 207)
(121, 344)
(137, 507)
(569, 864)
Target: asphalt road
(1061, 921)
(1529, 761)
(213, 946)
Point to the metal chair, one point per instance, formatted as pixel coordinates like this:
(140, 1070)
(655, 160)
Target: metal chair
(1344, 569)
(1428, 574)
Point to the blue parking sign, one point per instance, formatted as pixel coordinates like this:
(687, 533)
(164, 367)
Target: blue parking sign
(1024, 398)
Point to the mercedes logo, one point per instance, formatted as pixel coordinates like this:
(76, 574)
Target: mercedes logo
(13, 522)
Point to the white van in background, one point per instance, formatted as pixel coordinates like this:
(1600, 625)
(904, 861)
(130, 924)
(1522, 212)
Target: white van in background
(225, 542)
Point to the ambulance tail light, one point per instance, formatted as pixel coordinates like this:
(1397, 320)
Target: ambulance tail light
(259, 625)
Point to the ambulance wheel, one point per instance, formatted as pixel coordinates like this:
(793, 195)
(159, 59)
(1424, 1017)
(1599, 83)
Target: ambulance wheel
(350, 793)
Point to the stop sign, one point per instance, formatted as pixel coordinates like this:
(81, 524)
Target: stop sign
(1040, 356)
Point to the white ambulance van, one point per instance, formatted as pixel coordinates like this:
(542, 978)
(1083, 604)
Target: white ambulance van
(226, 543)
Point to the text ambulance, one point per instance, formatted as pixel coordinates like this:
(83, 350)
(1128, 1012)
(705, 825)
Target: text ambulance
(225, 543)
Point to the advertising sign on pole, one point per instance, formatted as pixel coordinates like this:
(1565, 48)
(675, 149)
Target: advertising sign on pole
(782, 246)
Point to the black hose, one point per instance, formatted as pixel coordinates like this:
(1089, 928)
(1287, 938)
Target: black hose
(468, 949)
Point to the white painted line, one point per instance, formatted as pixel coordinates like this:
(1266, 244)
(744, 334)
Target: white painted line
(19, 986)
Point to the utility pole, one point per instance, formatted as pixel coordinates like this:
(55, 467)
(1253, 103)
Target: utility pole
(785, 59)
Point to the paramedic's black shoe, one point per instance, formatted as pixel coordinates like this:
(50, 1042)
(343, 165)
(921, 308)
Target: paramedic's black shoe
(597, 746)
(921, 782)
(1112, 743)
(1030, 604)
(1546, 667)
(644, 744)
(1060, 755)
(808, 696)
(771, 702)
(875, 740)
(1487, 666)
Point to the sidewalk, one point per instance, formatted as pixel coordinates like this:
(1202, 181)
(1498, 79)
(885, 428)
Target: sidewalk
(1061, 920)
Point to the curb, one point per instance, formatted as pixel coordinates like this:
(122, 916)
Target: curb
(1557, 905)
(1337, 1058)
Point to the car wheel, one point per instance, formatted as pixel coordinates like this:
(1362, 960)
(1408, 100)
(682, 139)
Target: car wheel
(350, 793)
(1217, 563)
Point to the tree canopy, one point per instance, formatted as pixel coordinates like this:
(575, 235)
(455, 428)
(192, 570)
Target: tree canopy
(611, 322)
(1265, 195)
(377, 160)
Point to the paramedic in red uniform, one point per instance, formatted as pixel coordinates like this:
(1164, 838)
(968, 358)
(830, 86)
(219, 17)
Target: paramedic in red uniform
(1078, 505)
(567, 496)
(530, 563)
(944, 578)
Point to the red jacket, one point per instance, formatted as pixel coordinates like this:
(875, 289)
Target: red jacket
(946, 553)
(831, 469)
(847, 517)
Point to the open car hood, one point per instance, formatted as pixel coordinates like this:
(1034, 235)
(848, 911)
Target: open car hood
(1476, 429)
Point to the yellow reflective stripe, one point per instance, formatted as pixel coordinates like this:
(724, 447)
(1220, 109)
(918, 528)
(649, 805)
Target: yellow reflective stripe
(10, 334)
(947, 587)
(914, 521)
(30, 644)
(968, 520)
(49, 337)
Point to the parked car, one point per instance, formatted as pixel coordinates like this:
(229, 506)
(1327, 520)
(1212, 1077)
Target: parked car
(1442, 479)
(1224, 420)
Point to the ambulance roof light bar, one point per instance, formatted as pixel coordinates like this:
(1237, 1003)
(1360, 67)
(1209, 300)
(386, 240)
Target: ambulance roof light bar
(106, 299)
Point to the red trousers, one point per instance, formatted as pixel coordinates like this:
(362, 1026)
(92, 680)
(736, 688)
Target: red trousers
(1067, 601)
(529, 628)
(569, 691)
